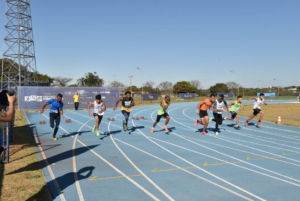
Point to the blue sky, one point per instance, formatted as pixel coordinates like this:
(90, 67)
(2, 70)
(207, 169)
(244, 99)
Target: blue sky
(170, 40)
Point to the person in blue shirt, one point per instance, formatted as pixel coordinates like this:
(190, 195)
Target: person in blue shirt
(56, 111)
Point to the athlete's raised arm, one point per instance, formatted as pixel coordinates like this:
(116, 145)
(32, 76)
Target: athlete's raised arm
(252, 98)
(119, 100)
(88, 107)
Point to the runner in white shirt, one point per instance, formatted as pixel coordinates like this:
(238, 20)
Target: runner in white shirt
(218, 108)
(99, 108)
(257, 108)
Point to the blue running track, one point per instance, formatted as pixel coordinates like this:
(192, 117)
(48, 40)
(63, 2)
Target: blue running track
(254, 163)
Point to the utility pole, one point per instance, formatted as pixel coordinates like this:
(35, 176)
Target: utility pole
(142, 83)
(130, 76)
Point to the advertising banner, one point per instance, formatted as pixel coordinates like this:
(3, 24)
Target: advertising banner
(268, 95)
(187, 95)
(33, 98)
(149, 97)
(226, 95)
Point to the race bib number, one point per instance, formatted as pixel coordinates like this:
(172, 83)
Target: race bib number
(54, 111)
(237, 109)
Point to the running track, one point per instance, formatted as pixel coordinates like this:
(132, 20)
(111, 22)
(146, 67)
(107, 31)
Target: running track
(254, 163)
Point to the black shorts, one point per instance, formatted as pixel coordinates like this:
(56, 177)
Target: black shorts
(256, 111)
(203, 113)
(233, 114)
(160, 116)
(99, 116)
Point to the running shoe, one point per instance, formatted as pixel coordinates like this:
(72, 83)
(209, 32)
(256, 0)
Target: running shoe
(94, 129)
(196, 123)
(54, 138)
(259, 123)
(210, 120)
(204, 133)
(166, 129)
(152, 130)
(51, 128)
(246, 123)
(238, 127)
(217, 133)
(127, 128)
(98, 133)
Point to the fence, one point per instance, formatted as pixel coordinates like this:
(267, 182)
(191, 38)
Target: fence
(5, 139)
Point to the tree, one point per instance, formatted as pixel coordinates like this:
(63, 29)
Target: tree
(232, 85)
(150, 85)
(73, 85)
(116, 83)
(196, 83)
(184, 87)
(90, 80)
(219, 88)
(61, 81)
(43, 78)
(134, 88)
(165, 86)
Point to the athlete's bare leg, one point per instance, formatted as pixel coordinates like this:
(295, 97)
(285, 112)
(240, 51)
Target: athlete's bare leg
(205, 123)
(261, 115)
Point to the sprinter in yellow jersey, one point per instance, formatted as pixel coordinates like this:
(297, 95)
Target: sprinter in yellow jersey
(163, 112)
(126, 103)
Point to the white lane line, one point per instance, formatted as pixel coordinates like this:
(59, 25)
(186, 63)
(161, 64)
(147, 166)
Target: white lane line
(138, 169)
(245, 162)
(80, 195)
(62, 197)
(112, 166)
(191, 173)
(220, 137)
(241, 189)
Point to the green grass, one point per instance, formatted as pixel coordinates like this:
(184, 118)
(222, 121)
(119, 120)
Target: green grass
(28, 184)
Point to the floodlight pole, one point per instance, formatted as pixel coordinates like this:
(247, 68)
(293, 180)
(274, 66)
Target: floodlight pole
(142, 83)
(278, 86)
(130, 76)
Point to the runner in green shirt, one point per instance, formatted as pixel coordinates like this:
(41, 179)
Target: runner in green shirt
(163, 112)
(234, 108)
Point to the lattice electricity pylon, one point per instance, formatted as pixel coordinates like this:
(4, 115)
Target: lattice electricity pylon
(18, 64)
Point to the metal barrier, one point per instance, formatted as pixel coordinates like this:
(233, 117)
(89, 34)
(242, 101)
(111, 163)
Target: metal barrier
(6, 137)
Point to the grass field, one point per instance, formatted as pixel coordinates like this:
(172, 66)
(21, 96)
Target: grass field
(29, 184)
(290, 113)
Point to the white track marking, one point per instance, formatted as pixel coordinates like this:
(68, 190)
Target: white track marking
(80, 195)
(62, 197)
(245, 162)
(239, 188)
(191, 173)
(220, 137)
(138, 169)
(113, 167)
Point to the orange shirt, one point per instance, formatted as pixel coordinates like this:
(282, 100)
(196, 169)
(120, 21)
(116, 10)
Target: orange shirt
(206, 105)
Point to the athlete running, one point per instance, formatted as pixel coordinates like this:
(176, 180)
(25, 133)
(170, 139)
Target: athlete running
(257, 108)
(56, 111)
(235, 106)
(202, 112)
(218, 108)
(99, 108)
(126, 103)
(163, 112)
